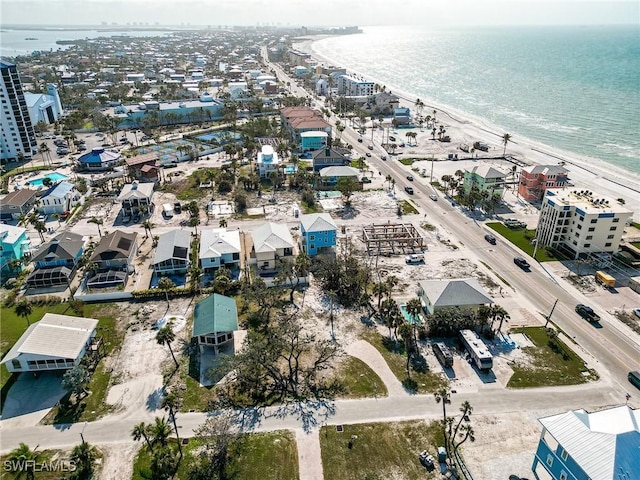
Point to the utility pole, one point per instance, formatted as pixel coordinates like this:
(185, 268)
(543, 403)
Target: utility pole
(431, 181)
(548, 317)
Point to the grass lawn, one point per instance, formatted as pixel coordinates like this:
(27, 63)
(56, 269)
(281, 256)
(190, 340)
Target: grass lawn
(381, 451)
(49, 456)
(407, 161)
(407, 207)
(93, 406)
(394, 355)
(359, 380)
(315, 208)
(517, 237)
(550, 363)
(255, 456)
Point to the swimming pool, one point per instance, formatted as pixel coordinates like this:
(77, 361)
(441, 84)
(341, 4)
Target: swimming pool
(409, 318)
(54, 176)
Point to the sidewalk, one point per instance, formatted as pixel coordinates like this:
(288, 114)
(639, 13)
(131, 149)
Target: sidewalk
(366, 352)
(309, 454)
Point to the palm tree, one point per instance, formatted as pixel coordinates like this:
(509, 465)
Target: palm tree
(165, 284)
(83, 456)
(505, 139)
(44, 148)
(160, 431)
(25, 460)
(406, 334)
(444, 395)
(24, 309)
(148, 225)
(414, 307)
(40, 227)
(98, 222)
(171, 403)
(222, 223)
(164, 337)
(141, 430)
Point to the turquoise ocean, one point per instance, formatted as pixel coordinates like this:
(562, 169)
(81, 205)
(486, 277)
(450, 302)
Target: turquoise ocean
(573, 88)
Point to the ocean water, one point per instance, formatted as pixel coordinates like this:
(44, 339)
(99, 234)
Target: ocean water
(574, 88)
(14, 43)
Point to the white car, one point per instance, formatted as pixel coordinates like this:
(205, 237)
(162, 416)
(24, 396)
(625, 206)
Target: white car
(433, 197)
(414, 258)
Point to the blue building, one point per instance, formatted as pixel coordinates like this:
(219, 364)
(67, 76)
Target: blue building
(55, 262)
(318, 233)
(402, 116)
(579, 445)
(99, 159)
(15, 244)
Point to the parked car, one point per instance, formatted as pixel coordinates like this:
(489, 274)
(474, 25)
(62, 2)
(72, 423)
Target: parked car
(62, 151)
(587, 313)
(414, 258)
(392, 138)
(490, 238)
(368, 154)
(42, 218)
(409, 190)
(359, 139)
(177, 207)
(433, 197)
(522, 263)
(410, 178)
(370, 147)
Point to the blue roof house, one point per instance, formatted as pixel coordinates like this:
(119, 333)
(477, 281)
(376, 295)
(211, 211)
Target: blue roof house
(214, 320)
(318, 233)
(14, 244)
(59, 198)
(578, 445)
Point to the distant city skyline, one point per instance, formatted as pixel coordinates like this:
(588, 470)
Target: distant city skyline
(327, 13)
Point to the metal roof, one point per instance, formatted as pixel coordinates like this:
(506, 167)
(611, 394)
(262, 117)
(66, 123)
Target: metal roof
(486, 171)
(450, 293)
(216, 313)
(12, 234)
(173, 244)
(317, 222)
(605, 444)
(60, 336)
(59, 190)
(269, 237)
(99, 155)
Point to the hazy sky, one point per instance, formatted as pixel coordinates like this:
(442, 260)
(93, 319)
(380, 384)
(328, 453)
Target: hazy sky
(320, 12)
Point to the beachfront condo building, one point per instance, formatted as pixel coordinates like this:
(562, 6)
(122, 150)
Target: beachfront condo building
(578, 445)
(580, 223)
(537, 179)
(354, 87)
(18, 135)
(45, 108)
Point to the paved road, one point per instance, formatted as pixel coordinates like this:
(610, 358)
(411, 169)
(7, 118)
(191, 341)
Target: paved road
(117, 429)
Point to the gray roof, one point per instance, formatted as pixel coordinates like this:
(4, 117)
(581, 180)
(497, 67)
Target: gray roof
(455, 293)
(173, 244)
(487, 171)
(216, 242)
(339, 171)
(317, 222)
(117, 244)
(604, 444)
(60, 336)
(59, 190)
(64, 246)
(19, 197)
(136, 190)
(268, 237)
(546, 169)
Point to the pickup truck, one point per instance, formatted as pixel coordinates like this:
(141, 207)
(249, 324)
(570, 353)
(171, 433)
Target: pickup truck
(587, 313)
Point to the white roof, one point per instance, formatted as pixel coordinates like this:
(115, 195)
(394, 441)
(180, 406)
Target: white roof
(317, 222)
(339, 171)
(449, 293)
(596, 441)
(60, 336)
(269, 237)
(216, 242)
(314, 134)
(136, 190)
(10, 234)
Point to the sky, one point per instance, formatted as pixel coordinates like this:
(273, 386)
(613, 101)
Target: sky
(320, 13)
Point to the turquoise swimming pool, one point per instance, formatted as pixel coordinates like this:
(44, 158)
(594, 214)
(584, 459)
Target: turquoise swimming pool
(409, 318)
(54, 176)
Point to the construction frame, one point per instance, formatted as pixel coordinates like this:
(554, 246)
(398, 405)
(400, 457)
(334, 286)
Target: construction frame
(392, 238)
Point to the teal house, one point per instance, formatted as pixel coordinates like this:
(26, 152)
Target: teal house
(318, 233)
(214, 320)
(486, 178)
(15, 244)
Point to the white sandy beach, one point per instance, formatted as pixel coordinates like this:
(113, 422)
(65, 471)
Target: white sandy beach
(584, 172)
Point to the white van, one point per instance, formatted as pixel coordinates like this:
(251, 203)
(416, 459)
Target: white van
(167, 210)
(414, 259)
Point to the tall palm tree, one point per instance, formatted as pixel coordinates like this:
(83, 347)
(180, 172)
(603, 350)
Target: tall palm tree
(160, 431)
(40, 227)
(148, 225)
(98, 222)
(171, 403)
(141, 430)
(25, 460)
(165, 284)
(44, 148)
(24, 309)
(83, 456)
(505, 139)
(443, 395)
(414, 307)
(165, 336)
(222, 223)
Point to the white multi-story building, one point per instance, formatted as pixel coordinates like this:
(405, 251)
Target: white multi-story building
(18, 135)
(42, 107)
(354, 87)
(581, 222)
(268, 161)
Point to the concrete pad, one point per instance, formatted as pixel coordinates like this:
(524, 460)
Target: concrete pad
(31, 394)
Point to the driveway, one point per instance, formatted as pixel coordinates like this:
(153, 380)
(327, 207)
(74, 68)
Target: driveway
(33, 396)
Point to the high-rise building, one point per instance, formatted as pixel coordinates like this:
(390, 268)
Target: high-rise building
(18, 135)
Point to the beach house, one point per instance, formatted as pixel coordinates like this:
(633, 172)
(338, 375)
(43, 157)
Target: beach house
(318, 233)
(581, 445)
(58, 198)
(144, 168)
(297, 120)
(16, 203)
(329, 157)
(485, 178)
(215, 319)
(330, 176)
(136, 198)
(459, 293)
(272, 243)
(172, 253)
(57, 342)
(113, 260)
(55, 261)
(267, 161)
(218, 247)
(537, 179)
(15, 245)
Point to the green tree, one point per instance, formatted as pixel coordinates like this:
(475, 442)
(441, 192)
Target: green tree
(391, 315)
(414, 307)
(406, 333)
(148, 225)
(83, 456)
(165, 336)
(506, 138)
(171, 403)
(346, 186)
(217, 436)
(97, 221)
(23, 461)
(75, 381)
(443, 395)
(23, 309)
(165, 284)
(160, 431)
(141, 431)
(164, 463)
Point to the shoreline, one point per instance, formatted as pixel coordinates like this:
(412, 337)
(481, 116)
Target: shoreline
(585, 172)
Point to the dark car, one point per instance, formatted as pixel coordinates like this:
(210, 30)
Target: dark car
(410, 178)
(409, 190)
(359, 139)
(177, 207)
(490, 238)
(368, 154)
(587, 313)
(522, 263)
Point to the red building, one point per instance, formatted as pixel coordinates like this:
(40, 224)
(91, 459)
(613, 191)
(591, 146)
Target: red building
(535, 180)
